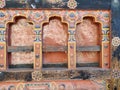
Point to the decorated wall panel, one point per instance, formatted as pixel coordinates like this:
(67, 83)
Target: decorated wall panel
(102, 74)
(62, 41)
(71, 18)
(38, 17)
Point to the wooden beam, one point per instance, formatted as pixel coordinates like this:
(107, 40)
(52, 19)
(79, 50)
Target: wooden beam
(88, 48)
(54, 48)
(19, 48)
(51, 48)
(87, 64)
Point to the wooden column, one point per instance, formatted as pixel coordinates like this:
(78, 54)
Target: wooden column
(38, 49)
(71, 50)
(105, 63)
(2, 50)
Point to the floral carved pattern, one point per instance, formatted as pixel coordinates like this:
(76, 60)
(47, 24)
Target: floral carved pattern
(2, 3)
(72, 4)
(116, 41)
(37, 75)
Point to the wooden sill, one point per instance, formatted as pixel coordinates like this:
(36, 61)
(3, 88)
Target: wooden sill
(89, 69)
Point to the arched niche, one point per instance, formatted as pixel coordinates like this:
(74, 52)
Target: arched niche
(55, 41)
(88, 36)
(20, 35)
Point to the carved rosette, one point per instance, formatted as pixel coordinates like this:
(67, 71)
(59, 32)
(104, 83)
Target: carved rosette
(2, 3)
(115, 74)
(116, 41)
(72, 4)
(37, 75)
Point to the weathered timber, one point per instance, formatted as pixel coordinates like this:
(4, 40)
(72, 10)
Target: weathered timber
(63, 65)
(54, 49)
(51, 48)
(87, 64)
(88, 48)
(20, 48)
(65, 48)
(21, 66)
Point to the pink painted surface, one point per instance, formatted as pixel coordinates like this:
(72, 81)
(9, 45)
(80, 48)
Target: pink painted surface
(88, 34)
(55, 34)
(54, 58)
(22, 35)
(88, 57)
(57, 85)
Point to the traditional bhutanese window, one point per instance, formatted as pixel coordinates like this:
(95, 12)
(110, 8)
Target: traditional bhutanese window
(20, 40)
(55, 40)
(88, 42)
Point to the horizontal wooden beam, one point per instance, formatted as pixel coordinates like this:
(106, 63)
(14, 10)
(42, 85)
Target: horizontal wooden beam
(88, 48)
(17, 66)
(87, 64)
(62, 65)
(64, 48)
(19, 48)
(55, 49)
(52, 48)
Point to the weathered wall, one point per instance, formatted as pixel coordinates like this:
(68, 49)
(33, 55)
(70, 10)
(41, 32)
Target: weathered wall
(55, 34)
(38, 17)
(22, 34)
(88, 34)
(113, 5)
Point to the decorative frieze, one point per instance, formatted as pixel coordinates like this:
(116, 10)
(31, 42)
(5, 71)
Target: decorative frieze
(88, 73)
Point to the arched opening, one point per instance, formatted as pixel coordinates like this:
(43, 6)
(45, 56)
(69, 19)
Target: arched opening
(88, 39)
(20, 40)
(55, 41)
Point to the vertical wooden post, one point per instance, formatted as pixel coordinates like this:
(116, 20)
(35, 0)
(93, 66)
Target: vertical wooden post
(2, 50)
(105, 63)
(71, 50)
(38, 49)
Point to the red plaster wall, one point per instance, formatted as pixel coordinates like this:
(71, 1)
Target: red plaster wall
(88, 34)
(22, 35)
(55, 34)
